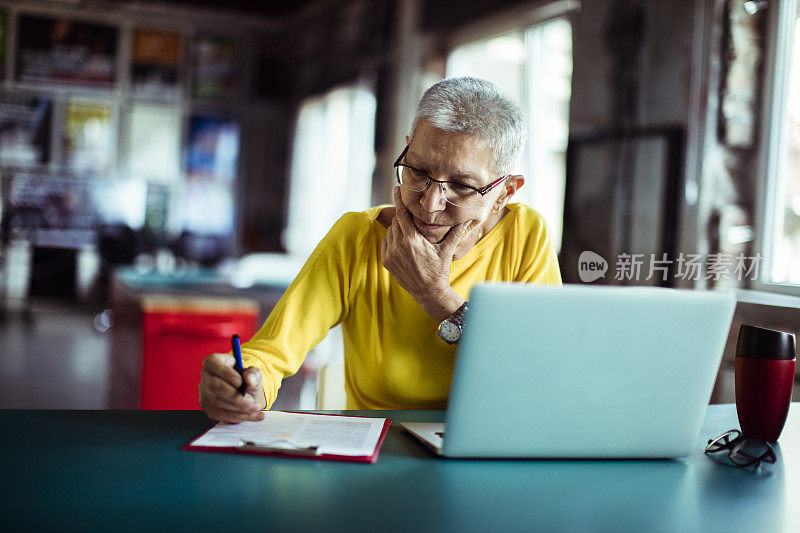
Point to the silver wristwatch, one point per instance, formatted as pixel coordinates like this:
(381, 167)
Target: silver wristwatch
(450, 327)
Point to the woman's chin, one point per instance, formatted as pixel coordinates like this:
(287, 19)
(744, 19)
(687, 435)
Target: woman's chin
(434, 235)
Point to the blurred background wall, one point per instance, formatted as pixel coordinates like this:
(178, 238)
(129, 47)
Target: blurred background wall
(208, 148)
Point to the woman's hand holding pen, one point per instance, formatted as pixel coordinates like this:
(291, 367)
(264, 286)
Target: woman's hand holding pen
(220, 390)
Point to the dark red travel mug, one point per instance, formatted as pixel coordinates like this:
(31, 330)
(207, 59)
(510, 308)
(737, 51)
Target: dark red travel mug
(765, 361)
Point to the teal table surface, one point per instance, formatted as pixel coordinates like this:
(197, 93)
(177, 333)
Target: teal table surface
(206, 281)
(124, 471)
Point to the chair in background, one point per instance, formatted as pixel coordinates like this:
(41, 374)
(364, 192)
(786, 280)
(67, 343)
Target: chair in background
(205, 250)
(330, 387)
(117, 244)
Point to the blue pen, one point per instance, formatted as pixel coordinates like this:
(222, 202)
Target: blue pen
(238, 364)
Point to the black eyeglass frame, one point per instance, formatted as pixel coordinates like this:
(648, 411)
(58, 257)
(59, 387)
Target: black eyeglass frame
(735, 449)
(482, 191)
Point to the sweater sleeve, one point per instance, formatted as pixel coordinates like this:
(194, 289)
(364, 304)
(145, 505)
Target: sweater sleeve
(540, 263)
(317, 300)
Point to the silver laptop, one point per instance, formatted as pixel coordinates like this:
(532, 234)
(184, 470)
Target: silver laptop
(582, 372)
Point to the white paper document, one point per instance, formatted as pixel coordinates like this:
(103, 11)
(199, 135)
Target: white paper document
(335, 435)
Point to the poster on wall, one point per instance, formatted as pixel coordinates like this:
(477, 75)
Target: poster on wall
(24, 130)
(66, 51)
(51, 209)
(60, 210)
(155, 60)
(88, 137)
(216, 64)
(212, 150)
(212, 154)
(152, 142)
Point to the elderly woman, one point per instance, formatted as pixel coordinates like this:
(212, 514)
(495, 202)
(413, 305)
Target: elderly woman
(397, 277)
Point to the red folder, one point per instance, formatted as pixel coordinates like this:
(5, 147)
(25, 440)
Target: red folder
(300, 454)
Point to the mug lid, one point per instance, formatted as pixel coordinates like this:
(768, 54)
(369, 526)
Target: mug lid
(763, 343)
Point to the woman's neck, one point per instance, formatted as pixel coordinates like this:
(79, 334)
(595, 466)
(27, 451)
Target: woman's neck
(473, 237)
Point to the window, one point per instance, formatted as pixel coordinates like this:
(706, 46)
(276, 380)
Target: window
(781, 244)
(332, 164)
(534, 66)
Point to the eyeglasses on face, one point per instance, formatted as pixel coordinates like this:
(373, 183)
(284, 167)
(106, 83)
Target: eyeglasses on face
(455, 193)
(742, 451)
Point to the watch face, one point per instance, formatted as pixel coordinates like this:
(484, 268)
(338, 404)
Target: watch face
(449, 331)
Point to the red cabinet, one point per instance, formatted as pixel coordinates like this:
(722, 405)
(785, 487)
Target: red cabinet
(177, 336)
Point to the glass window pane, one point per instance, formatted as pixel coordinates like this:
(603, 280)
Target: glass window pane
(535, 68)
(549, 48)
(332, 164)
(500, 59)
(786, 244)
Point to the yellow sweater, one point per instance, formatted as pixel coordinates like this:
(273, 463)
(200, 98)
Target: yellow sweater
(394, 358)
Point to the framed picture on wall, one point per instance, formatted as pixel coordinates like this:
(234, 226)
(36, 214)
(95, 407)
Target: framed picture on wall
(212, 149)
(50, 201)
(151, 147)
(621, 200)
(88, 137)
(25, 126)
(53, 209)
(65, 51)
(216, 67)
(155, 61)
(212, 155)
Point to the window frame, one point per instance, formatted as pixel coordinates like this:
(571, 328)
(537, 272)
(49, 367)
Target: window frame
(781, 20)
(518, 19)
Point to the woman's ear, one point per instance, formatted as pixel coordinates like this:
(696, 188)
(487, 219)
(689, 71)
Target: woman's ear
(512, 184)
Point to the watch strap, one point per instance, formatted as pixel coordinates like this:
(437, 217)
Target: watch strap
(458, 316)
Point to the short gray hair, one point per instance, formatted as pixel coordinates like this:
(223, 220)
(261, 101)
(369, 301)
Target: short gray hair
(478, 107)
